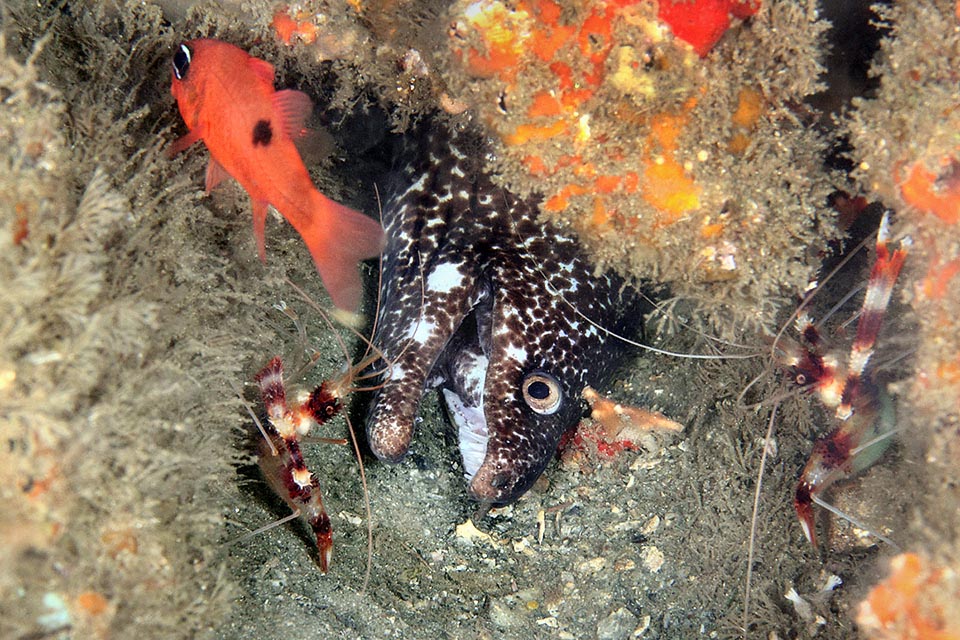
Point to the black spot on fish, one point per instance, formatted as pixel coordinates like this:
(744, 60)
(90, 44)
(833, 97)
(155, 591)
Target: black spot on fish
(262, 133)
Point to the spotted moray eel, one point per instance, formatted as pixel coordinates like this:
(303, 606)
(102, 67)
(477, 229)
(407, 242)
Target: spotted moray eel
(497, 309)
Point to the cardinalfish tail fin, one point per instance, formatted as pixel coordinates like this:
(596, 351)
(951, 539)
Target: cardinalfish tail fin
(339, 238)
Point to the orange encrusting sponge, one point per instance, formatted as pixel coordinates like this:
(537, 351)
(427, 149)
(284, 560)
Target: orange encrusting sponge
(933, 193)
(912, 602)
(289, 28)
(744, 119)
(570, 54)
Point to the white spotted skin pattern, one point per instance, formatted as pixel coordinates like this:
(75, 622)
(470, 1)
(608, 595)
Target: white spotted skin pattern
(472, 262)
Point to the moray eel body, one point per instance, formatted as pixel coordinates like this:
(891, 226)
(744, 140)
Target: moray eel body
(494, 307)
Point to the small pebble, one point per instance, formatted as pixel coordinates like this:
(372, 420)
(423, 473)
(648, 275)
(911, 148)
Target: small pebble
(652, 558)
(617, 626)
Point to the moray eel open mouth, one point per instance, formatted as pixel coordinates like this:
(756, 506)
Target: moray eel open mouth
(484, 301)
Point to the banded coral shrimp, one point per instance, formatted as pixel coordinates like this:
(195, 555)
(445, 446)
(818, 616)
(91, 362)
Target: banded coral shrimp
(291, 417)
(857, 410)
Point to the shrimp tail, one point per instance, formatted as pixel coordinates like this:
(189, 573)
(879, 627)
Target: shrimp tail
(338, 238)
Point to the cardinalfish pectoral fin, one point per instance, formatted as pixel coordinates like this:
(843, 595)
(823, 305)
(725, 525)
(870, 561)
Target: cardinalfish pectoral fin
(338, 238)
(180, 144)
(259, 227)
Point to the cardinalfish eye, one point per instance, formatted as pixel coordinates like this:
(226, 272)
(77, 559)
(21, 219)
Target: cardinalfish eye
(181, 62)
(541, 392)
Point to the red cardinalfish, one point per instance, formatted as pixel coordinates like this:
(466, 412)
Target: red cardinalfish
(227, 99)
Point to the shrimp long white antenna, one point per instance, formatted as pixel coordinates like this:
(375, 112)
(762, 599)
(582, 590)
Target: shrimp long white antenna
(751, 545)
(635, 343)
(366, 503)
(820, 502)
(658, 308)
(253, 415)
(293, 515)
(872, 441)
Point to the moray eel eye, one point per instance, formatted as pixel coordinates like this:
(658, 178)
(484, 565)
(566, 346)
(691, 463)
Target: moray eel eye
(541, 392)
(181, 62)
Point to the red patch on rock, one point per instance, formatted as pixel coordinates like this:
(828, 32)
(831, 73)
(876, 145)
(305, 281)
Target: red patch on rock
(701, 23)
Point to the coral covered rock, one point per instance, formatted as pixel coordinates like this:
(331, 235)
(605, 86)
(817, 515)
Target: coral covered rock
(677, 163)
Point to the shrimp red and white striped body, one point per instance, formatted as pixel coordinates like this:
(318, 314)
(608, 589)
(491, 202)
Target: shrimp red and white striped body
(280, 457)
(864, 413)
(288, 423)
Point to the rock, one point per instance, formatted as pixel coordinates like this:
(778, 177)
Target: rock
(617, 626)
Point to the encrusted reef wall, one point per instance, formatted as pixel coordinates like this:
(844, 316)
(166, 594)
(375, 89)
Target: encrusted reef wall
(679, 156)
(907, 150)
(112, 471)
